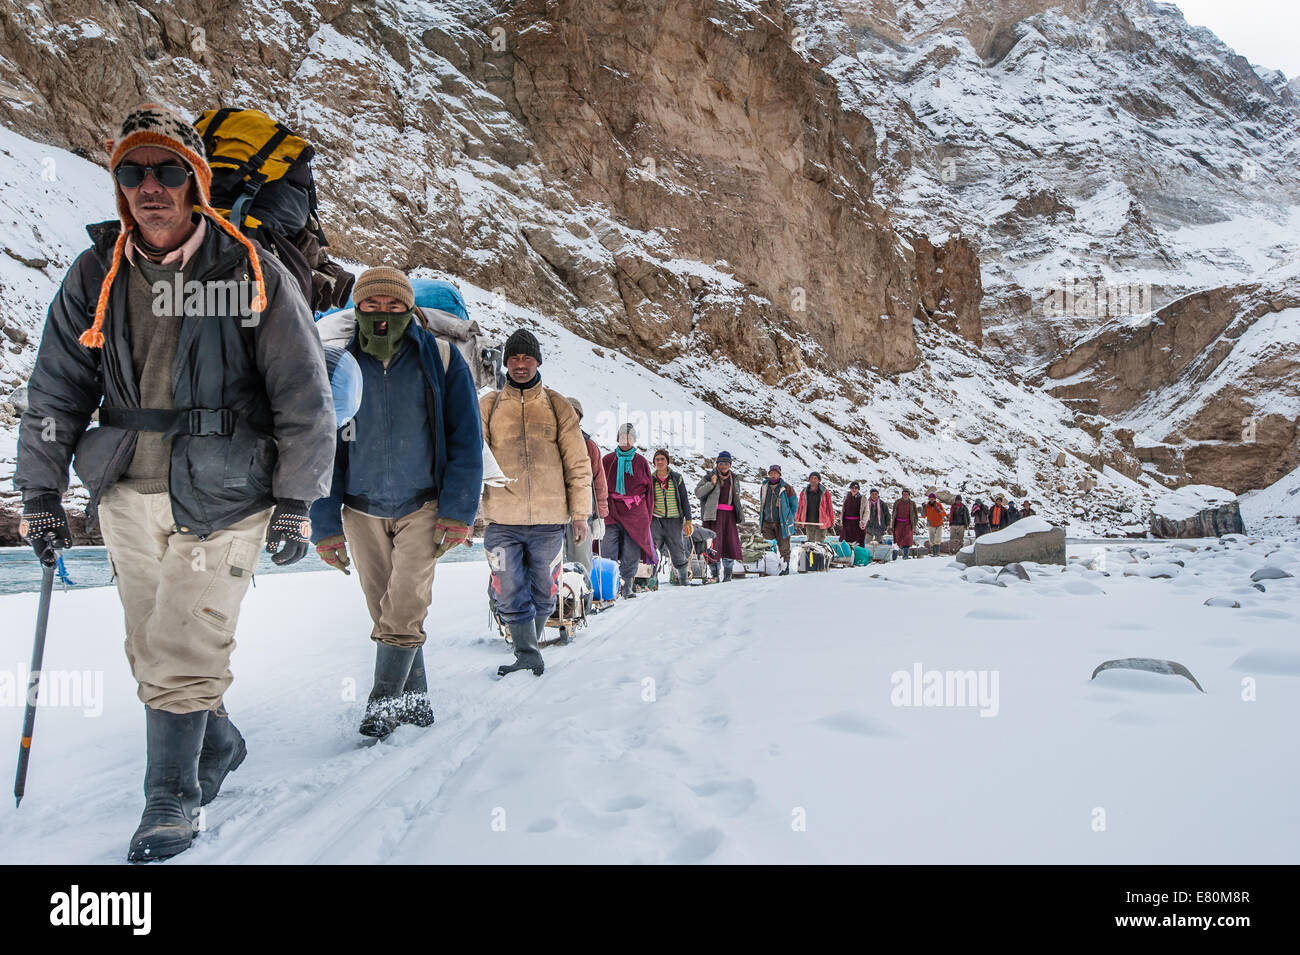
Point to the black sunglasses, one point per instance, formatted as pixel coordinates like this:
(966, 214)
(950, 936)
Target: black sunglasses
(172, 175)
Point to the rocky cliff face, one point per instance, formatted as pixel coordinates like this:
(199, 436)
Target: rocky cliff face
(1212, 376)
(1104, 159)
(608, 147)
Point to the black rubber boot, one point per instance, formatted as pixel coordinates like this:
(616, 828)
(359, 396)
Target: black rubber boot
(523, 635)
(171, 785)
(223, 750)
(415, 708)
(628, 592)
(726, 570)
(392, 668)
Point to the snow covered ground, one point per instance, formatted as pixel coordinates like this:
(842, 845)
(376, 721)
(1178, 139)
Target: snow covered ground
(756, 721)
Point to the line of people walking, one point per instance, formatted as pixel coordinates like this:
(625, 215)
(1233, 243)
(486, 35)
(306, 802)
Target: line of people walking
(221, 432)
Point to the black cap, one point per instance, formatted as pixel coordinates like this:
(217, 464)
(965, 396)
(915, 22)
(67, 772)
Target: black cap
(522, 342)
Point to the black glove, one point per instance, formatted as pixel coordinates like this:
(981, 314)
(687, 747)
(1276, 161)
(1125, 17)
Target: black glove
(45, 526)
(289, 533)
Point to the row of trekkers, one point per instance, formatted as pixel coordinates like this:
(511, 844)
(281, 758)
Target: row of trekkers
(872, 518)
(221, 432)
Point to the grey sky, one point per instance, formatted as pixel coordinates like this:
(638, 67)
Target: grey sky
(1266, 32)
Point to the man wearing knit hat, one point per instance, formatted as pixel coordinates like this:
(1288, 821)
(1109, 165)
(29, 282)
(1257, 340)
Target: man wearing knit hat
(777, 505)
(407, 475)
(216, 432)
(533, 433)
(722, 512)
(934, 515)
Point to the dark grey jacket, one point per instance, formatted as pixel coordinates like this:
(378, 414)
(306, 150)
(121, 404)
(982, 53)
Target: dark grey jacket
(276, 440)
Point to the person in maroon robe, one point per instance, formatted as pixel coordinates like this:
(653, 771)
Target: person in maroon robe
(722, 512)
(631, 500)
(906, 517)
(851, 529)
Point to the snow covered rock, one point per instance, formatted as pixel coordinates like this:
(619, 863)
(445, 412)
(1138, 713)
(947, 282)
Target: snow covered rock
(1014, 570)
(1222, 602)
(1270, 573)
(1028, 539)
(1153, 570)
(1197, 510)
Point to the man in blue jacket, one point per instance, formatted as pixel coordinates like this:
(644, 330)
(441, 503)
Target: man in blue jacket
(408, 472)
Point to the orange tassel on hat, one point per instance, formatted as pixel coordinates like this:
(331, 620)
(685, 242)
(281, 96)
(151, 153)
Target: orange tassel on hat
(152, 125)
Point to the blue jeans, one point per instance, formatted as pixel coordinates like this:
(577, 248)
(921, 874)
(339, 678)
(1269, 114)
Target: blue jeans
(526, 560)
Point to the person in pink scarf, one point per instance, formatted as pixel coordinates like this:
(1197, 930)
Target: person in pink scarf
(631, 500)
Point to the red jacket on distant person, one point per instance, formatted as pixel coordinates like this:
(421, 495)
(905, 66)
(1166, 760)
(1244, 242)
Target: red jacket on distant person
(826, 510)
(598, 483)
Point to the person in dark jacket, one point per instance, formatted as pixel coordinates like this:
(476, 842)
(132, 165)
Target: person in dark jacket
(979, 515)
(408, 472)
(876, 520)
(777, 505)
(852, 516)
(216, 432)
(1027, 510)
(958, 521)
(999, 516)
(1013, 512)
(907, 517)
(670, 515)
(722, 512)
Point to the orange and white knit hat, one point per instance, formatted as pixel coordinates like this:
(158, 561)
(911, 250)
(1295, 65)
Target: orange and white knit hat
(152, 125)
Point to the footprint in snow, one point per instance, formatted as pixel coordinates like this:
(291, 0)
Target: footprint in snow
(730, 798)
(624, 804)
(1277, 662)
(697, 846)
(857, 724)
(993, 613)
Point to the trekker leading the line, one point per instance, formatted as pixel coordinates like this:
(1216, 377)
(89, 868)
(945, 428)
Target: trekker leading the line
(215, 434)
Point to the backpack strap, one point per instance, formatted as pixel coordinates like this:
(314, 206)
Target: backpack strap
(444, 352)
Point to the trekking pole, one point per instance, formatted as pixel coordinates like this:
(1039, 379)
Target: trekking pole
(34, 679)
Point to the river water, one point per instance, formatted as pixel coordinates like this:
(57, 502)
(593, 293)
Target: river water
(20, 571)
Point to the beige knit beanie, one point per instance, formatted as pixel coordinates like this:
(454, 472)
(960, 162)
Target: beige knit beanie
(383, 280)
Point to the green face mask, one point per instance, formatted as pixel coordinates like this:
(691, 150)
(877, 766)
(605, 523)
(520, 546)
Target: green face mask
(382, 346)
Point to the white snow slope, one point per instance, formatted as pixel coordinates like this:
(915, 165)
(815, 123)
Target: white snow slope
(748, 722)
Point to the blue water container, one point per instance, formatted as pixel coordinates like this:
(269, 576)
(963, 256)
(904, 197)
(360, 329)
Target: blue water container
(604, 578)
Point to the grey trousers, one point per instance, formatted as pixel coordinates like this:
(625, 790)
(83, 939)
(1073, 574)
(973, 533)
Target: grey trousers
(666, 532)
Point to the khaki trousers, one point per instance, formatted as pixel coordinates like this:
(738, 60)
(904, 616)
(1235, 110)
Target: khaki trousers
(180, 596)
(957, 534)
(394, 559)
(817, 533)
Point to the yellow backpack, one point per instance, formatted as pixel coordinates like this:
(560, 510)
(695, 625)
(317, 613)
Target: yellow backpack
(262, 182)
